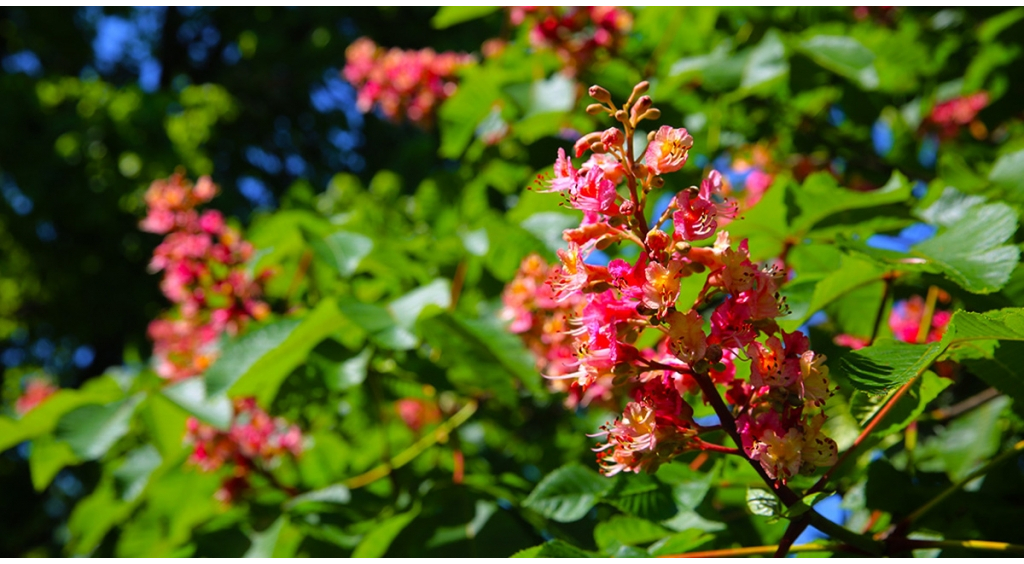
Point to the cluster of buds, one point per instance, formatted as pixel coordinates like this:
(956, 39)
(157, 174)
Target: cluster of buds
(775, 415)
(949, 117)
(255, 441)
(203, 264)
(37, 390)
(403, 84)
(574, 33)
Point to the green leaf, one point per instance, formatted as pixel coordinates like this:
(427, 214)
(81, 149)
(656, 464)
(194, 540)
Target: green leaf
(48, 457)
(482, 356)
(972, 252)
(92, 429)
(820, 197)
(45, 416)
(887, 364)
(256, 364)
(845, 56)
(766, 63)
(853, 273)
(263, 542)
(448, 16)
(190, 395)
(993, 26)
(689, 487)
(553, 549)
(548, 227)
(376, 543)
(406, 309)
(342, 250)
(1008, 171)
(625, 530)
(1002, 369)
(680, 543)
(336, 494)
(568, 493)
(643, 496)
(764, 503)
(349, 373)
(907, 409)
(379, 324)
(131, 476)
(967, 441)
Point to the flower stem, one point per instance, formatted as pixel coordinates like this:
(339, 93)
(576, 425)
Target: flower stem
(401, 459)
(753, 551)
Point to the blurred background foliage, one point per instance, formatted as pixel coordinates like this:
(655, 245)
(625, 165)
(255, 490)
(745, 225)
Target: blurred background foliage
(390, 245)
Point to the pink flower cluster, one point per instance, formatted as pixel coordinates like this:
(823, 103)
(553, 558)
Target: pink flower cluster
(255, 440)
(37, 390)
(403, 84)
(776, 413)
(906, 318)
(574, 33)
(204, 276)
(544, 325)
(950, 116)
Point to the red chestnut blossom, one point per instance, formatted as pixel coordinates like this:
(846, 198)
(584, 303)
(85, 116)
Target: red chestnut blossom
(255, 441)
(950, 116)
(37, 391)
(574, 33)
(906, 318)
(668, 150)
(204, 276)
(403, 84)
(777, 411)
(417, 412)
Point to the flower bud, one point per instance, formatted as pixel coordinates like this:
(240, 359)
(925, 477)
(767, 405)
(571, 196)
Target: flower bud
(640, 170)
(627, 208)
(612, 137)
(657, 182)
(641, 88)
(651, 114)
(583, 143)
(620, 115)
(714, 354)
(658, 240)
(596, 109)
(600, 94)
(640, 108)
(651, 134)
(683, 248)
(599, 148)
